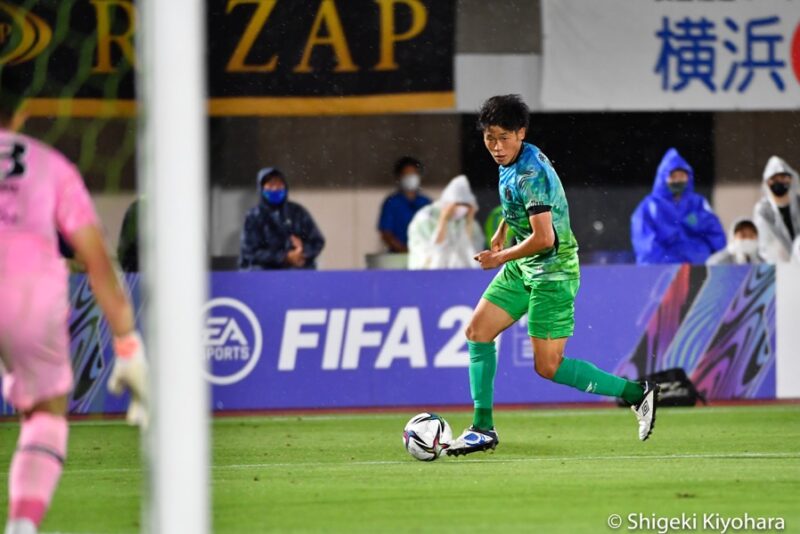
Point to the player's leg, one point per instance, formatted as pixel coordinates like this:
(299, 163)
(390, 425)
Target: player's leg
(502, 304)
(551, 321)
(37, 464)
(551, 364)
(34, 345)
(487, 322)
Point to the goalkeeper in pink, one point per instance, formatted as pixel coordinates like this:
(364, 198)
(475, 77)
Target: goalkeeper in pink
(42, 193)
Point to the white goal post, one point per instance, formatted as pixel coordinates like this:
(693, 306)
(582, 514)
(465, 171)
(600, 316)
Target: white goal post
(172, 174)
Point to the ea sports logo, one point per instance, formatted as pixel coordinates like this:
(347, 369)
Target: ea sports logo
(233, 341)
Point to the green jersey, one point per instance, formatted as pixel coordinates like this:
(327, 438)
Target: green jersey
(530, 186)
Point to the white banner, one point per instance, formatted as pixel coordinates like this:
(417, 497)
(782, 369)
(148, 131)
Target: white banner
(671, 54)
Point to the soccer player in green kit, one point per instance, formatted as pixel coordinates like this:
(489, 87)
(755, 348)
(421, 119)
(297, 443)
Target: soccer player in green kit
(540, 277)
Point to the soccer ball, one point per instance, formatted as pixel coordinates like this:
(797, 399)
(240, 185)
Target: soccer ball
(426, 435)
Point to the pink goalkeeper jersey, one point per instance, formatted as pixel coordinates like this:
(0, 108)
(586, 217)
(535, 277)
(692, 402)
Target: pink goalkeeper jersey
(41, 193)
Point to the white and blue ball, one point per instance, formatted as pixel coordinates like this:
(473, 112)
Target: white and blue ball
(426, 435)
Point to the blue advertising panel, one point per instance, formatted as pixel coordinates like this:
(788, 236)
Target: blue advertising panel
(284, 340)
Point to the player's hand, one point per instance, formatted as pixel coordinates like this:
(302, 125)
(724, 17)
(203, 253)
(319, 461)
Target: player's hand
(488, 259)
(137, 414)
(130, 372)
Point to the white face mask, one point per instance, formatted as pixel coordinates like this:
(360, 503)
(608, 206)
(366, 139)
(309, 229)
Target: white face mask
(410, 182)
(460, 212)
(745, 246)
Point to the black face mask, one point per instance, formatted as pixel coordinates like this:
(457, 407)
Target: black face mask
(779, 188)
(677, 188)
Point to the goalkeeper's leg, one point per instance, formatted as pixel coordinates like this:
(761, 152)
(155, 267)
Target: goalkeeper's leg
(36, 465)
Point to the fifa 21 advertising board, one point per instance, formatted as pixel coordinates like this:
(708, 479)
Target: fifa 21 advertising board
(282, 340)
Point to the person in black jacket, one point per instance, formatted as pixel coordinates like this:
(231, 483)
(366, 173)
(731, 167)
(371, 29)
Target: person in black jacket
(278, 234)
(128, 246)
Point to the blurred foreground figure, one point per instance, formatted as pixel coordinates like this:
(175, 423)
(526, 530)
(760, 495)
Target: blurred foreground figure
(777, 214)
(742, 246)
(673, 224)
(444, 235)
(278, 234)
(42, 193)
(400, 207)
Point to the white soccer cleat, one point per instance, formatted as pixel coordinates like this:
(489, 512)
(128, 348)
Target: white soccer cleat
(645, 411)
(20, 526)
(473, 440)
(130, 372)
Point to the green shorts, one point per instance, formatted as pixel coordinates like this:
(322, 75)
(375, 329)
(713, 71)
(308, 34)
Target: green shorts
(550, 304)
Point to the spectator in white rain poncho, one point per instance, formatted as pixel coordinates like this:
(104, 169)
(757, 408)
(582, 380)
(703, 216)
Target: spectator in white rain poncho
(777, 214)
(444, 235)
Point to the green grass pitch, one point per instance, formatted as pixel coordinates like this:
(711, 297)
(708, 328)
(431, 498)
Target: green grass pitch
(554, 471)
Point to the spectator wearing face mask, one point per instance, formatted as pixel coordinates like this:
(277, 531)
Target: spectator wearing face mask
(777, 214)
(400, 207)
(278, 234)
(444, 235)
(673, 224)
(742, 246)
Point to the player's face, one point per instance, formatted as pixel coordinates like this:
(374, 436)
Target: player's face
(503, 145)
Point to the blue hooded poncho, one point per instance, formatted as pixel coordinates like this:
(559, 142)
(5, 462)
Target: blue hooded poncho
(665, 231)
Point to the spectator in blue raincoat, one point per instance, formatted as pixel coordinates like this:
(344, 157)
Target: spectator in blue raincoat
(277, 233)
(673, 224)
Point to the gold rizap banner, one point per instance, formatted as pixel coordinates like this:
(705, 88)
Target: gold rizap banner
(265, 57)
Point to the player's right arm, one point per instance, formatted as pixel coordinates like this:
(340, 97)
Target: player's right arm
(130, 365)
(500, 237)
(77, 221)
(107, 288)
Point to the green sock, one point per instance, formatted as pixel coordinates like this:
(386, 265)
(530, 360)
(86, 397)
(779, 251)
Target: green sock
(482, 368)
(633, 393)
(587, 377)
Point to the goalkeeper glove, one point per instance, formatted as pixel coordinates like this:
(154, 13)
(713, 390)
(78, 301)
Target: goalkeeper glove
(130, 372)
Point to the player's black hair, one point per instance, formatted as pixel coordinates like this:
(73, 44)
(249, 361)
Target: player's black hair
(10, 94)
(744, 224)
(407, 161)
(506, 111)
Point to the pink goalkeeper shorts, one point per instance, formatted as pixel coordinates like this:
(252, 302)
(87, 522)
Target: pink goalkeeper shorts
(34, 339)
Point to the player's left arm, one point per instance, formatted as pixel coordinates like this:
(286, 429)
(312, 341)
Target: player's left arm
(77, 220)
(542, 238)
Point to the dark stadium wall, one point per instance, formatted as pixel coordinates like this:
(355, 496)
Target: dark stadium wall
(334, 152)
(744, 141)
(606, 161)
